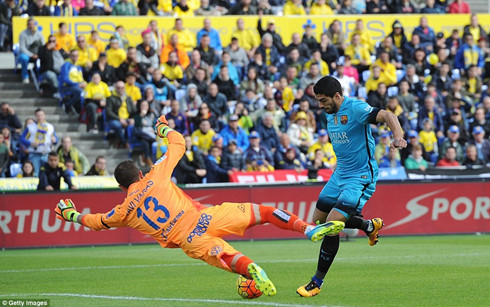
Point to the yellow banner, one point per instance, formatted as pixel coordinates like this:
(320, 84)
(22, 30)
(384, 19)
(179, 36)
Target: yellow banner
(378, 25)
(82, 182)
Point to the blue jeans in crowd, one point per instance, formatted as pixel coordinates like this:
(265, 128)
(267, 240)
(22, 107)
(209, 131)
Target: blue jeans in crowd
(116, 125)
(24, 61)
(37, 160)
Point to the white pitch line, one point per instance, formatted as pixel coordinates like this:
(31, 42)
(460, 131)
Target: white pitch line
(157, 299)
(341, 259)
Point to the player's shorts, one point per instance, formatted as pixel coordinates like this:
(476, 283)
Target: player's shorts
(347, 195)
(204, 240)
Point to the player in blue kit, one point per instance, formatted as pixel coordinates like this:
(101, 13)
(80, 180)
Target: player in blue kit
(354, 179)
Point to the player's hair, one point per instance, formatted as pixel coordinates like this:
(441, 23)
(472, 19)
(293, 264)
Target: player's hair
(328, 86)
(126, 173)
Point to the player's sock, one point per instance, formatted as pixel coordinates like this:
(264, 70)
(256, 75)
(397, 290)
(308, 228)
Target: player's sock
(328, 250)
(358, 222)
(238, 263)
(282, 219)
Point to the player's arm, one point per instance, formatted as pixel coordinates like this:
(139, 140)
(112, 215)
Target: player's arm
(66, 211)
(391, 120)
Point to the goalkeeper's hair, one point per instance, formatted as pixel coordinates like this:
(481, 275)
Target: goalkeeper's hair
(126, 173)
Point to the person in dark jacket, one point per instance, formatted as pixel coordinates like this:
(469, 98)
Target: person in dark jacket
(232, 158)
(225, 84)
(216, 101)
(214, 172)
(271, 29)
(90, 9)
(8, 9)
(268, 133)
(128, 109)
(98, 168)
(37, 8)
(191, 167)
(51, 173)
(107, 72)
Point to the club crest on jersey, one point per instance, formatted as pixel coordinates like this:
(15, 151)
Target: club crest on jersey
(343, 119)
(335, 120)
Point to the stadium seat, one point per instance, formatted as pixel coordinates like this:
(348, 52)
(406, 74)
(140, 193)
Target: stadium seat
(392, 91)
(341, 60)
(179, 94)
(133, 141)
(365, 75)
(15, 169)
(400, 74)
(455, 74)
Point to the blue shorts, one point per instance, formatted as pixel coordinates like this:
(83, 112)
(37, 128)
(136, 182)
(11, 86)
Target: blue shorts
(347, 195)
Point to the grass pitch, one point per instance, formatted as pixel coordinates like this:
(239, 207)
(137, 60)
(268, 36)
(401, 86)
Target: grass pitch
(400, 271)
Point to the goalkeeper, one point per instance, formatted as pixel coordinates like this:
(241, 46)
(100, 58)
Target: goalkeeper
(155, 206)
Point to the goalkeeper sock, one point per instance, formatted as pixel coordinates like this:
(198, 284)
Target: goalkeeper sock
(282, 219)
(358, 222)
(238, 263)
(328, 250)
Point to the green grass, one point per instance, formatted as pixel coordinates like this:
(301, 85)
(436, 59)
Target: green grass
(400, 271)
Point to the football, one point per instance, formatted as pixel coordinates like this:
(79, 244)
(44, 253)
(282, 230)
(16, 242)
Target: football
(246, 288)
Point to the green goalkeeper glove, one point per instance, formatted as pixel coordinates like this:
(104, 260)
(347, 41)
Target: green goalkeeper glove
(65, 210)
(161, 127)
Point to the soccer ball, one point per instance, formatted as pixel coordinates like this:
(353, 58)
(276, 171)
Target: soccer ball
(246, 288)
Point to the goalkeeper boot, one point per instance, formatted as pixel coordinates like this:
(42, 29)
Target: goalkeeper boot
(310, 289)
(326, 229)
(263, 283)
(373, 235)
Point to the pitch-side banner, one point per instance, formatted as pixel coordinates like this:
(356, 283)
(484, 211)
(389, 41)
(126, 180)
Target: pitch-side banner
(278, 176)
(28, 220)
(378, 26)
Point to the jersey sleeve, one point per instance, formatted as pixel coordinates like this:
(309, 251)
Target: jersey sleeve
(363, 112)
(175, 150)
(99, 221)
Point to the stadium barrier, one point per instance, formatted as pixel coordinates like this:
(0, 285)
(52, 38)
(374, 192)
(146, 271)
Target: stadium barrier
(378, 26)
(28, 220)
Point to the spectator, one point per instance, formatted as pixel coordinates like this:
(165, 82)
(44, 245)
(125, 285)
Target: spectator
(203, 113)
(90, 9)
(98, 168)
(244, 119)
(317, 163)
(429, 111)
(179, 118)
(173, 45)
(210, 10)
(304, 106)
(328, 51)
(326, 147)
(252, 82)
(383, 146)
(94, 41)
(65, 9)
(459, 7)
(96, 94)
(232, 158)
(271, 29)
(9, 119)
(144, 131)
(191, 167)
(482, 144)
(247, 38)
(390, 160)
(4, 156)
(216, 101)
(377, 7)
(124, 8)
(30, 40)
(120, 110)
(87, 55)
(78, 4)
(145, 54)
(8, 9)
(478, 120)
(309, 38)
(267, 132)
(131, 66)
(317, 58)
(408, 50)
(67, 152)
(293, 60)
(225, 84)
(347, 9)
(72, 84)
(457, 96)
(474, 28)
(388, 70)
(432, 8)
(406, 100)
(270, 54)
(232, 70)
(413, 140)
(293, 7)
(419, 61)
(471, 160)
(162, 91)
(234, 132)
(215, 172)
(27, 170)
(443, 80)
(290, 161)
(181, 9)
(65, 42)
(364, 35)
(37, 8)
(449, 159)
(349, 70)
(416, 161)
(320, 7)
(312, 76)
(122, 37)
(359, 54)
(428, 138)
(394, 107)
(185, 38)
(51, 174)
(196, 63)
(203, 137)
(257, 156)
(379, 97)
(157, 36)
(115, 54)
(452, 141)
(426, 34)
(107, 72)
(298, 44)
(208, 53)
(453, 43)
(39, 138)
(238, 55)
(278, 114)
(243, 7)
(336, 35)
(348, 83)
(404, 7)
(215, 41)
(299, 132)
(398, 35)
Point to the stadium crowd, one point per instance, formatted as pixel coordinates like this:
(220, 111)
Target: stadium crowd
(250, 106)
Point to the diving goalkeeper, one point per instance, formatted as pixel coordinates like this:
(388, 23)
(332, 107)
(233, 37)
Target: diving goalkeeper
(155, 206)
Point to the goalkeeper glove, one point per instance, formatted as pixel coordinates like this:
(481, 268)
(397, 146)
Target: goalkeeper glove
(65, 210)
(161, 127)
